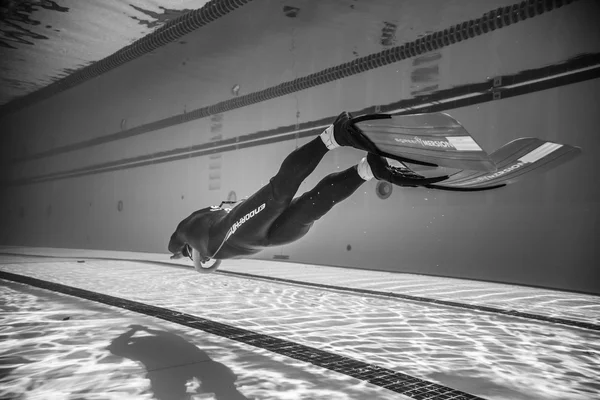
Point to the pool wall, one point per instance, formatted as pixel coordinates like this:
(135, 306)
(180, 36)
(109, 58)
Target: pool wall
(116, 161)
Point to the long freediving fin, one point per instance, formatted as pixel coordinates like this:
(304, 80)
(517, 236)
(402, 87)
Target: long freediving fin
(434, 139)
(514, 160)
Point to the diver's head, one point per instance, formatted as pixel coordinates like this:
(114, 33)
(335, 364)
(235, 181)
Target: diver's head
(178, 247)
(191, 229)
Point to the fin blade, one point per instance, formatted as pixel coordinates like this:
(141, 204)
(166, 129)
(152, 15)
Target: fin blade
(434, 138)
(514, 160)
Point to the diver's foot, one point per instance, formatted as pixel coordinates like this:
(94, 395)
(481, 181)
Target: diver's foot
(395, 172)
(343, 132)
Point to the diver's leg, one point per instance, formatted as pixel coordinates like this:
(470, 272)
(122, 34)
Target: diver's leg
(298, 165)
(303, 161)
(274, 199)
(263, 208)
(303, 211)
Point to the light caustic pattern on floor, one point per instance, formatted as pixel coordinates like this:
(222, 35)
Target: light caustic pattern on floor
(60, 348)
(492, 356)
(544, 302)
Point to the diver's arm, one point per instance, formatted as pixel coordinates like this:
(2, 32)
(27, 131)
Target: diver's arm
(198, 236)
(197, 233)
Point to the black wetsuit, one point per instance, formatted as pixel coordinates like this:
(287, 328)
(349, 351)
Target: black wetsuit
(272, 216)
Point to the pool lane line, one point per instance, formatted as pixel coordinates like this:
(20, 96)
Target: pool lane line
(170, 32)
(418, 299)
(398, 382)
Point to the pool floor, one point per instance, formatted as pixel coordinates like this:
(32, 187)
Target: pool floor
(105, 325)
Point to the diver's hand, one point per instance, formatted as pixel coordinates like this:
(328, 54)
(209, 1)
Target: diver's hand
(207, 270)
(200, 261)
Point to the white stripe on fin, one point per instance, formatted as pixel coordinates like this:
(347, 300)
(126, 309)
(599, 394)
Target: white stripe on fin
(540, 152)
(463, 143)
